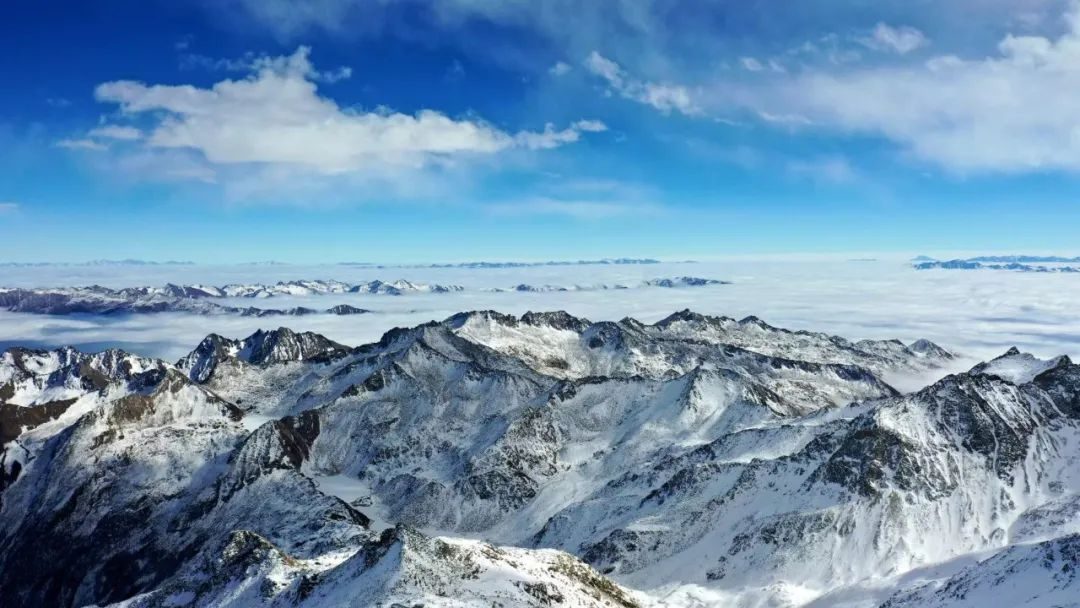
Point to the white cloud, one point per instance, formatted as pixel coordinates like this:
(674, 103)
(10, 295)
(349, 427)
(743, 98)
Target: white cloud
(663, 97)
(560, 68)
(277, 116)
(590, 126)
(81, 144)
(7, 207)
(605, 68)
(117, 132)
(1013, 112)
(901, 40)
(332, 76)
(548, 138)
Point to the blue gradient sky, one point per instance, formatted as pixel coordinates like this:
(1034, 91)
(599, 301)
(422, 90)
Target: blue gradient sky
(406, 130)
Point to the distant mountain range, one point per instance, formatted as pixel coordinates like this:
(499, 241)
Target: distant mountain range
(135, 262)
(1015, 263)
(604, 261)
(672, 283)
(128, 262)
(198, 299)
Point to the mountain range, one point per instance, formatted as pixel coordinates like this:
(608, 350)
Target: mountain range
(490, 265)
(1019, 263)
(540, 460)
(198, 299)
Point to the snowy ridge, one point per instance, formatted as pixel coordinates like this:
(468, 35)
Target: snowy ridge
(745, 461)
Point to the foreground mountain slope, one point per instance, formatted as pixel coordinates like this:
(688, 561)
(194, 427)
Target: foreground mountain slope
(760, 464)
(161, 485)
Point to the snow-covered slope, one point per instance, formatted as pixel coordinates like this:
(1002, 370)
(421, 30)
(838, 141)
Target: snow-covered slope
(400, 568)
(752, 463)
(1035, 575)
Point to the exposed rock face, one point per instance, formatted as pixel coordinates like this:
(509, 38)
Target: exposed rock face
(287, 469)
(259, 349)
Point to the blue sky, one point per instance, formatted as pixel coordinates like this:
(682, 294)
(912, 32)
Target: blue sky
(409, 130)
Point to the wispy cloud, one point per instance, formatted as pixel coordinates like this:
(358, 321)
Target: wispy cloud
(8, 207)
(560, 68)
(662, 96)
(900, 40)
(751, 64)
(252, 62)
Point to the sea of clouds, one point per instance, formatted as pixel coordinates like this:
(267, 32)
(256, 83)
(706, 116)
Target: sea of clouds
(977, 313)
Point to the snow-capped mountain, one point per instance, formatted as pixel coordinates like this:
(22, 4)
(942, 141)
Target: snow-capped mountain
(691, 459)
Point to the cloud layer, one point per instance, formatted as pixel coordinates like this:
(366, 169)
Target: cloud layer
(979, 313)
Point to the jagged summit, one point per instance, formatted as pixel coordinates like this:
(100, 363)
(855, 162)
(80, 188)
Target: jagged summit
(925, 347)
(260, 348)
(1018, 367)
(556, 320)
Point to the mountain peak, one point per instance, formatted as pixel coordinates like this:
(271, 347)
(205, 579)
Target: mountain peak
(263, 347)
(925, 347)
(558, 319)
